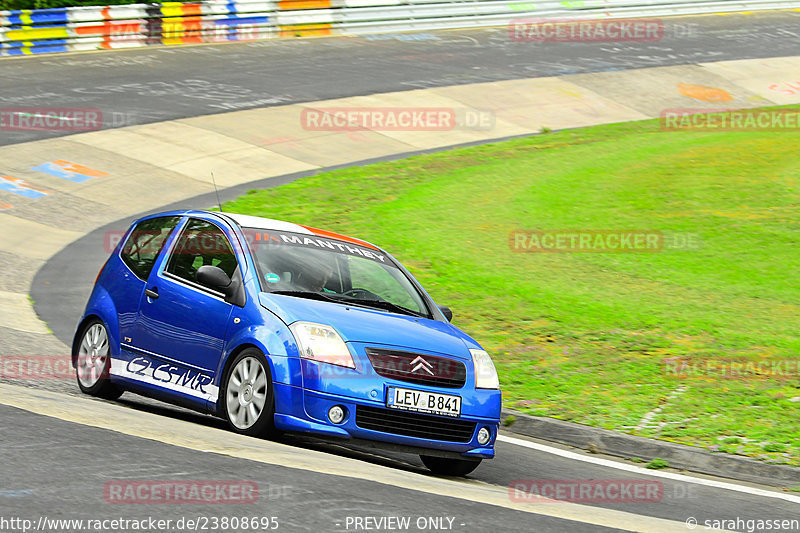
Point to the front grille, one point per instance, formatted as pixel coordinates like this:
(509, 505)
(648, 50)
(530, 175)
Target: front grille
(418, 368)
(414, 424)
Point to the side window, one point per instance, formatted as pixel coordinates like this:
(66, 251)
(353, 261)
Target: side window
(145, 243)
(201, 243)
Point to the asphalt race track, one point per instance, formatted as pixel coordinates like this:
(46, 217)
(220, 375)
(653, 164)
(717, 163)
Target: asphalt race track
(150, 85)
(60, 449)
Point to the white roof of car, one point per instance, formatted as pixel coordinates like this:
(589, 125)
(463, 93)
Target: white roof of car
(259, 223)
(248, 221)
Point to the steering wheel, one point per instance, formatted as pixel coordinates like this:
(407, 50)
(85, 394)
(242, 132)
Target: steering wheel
(362, 294)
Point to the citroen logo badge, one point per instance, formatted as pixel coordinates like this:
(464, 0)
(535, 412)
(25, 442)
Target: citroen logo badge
(420, 364)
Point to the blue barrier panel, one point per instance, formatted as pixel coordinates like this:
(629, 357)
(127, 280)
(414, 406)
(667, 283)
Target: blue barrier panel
(26, 17)
(235, 21)
(48, 42)
(233, 25)
(32, 50)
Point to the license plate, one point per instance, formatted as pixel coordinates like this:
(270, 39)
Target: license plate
(423, 402)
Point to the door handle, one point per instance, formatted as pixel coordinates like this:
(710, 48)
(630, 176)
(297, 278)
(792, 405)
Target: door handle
(151, 293)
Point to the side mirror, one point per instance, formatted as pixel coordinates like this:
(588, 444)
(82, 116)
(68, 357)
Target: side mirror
(213, 277)
(447, 312)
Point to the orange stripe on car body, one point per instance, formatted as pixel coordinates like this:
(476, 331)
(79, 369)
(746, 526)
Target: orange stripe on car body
(338, 236)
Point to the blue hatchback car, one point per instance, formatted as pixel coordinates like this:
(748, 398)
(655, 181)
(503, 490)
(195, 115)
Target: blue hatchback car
(277, 327)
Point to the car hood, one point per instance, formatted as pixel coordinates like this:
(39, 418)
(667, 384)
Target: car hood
(372, 326)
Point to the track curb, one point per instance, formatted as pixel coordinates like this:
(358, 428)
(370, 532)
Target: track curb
(680, 456)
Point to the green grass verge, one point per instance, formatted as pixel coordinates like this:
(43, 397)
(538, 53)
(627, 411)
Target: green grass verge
(589, 337)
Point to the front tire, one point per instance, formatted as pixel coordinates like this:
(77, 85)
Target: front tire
(93, 362)
(248, 398)
(449, 467)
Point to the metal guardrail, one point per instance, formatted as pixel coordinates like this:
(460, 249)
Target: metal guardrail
(171, 23)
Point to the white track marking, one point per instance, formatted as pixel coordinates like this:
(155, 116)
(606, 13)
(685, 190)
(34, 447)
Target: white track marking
(646, 419)
(647, 472)
(194, 436)
(39, 115)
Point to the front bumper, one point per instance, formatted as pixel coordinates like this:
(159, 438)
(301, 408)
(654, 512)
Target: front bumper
(360, 393)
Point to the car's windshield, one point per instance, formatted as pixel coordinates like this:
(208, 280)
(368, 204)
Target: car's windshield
(308, 266)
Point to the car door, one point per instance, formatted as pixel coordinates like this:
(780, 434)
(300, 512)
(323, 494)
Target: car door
(139, 254)
(182, 325)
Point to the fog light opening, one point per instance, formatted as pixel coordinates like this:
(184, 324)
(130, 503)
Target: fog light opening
(484, 436)
(336, 414)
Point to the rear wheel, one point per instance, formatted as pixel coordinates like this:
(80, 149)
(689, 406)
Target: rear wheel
(248, 399)
(93, 362)
(450, 467)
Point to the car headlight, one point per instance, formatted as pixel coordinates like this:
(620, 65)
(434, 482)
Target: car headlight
(485, 373)
(321, 343)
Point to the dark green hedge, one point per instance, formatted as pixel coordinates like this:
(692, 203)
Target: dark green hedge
(44, 4)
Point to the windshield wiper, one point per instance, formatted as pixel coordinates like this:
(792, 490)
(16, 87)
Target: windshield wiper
(383, 304)
(374, 304)
(307, 294)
